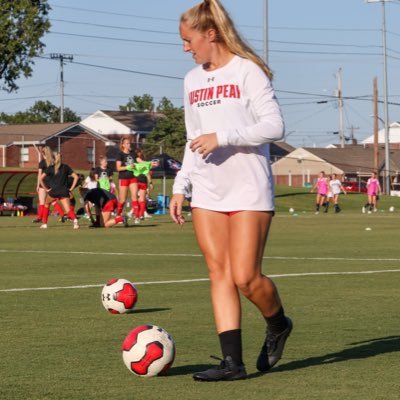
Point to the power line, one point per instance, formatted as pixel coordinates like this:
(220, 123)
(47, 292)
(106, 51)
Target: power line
(333, 53)
(177, 34)
(129, 28)
(121, 69)
(114, 13)
(115, 39)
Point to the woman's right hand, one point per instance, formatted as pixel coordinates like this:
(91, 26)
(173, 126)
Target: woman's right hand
(175, 208)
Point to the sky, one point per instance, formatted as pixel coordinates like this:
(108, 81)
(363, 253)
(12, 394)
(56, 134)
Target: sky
(132, 47)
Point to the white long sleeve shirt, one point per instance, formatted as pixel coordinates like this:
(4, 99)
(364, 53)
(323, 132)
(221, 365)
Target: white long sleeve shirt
(238, 103)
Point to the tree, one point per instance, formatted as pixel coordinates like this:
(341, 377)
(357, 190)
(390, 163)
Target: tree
(41, 111)
(139, 103)
(169, 132)
(22, 24)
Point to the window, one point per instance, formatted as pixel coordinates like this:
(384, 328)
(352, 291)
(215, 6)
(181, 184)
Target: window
(90, 154)
(24, 154)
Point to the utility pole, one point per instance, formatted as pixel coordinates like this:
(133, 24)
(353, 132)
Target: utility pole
(376, 126)
(61, 57)
(340, 106)
(385, 95)
(352, 129)
(266, 39)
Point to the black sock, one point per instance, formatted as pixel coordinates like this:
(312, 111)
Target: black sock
(317, 207)
(366, 205)
(231, 345)
(278, 322)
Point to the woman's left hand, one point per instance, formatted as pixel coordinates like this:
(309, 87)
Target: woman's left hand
(205, 144)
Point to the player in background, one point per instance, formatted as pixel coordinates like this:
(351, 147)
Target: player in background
(143, 173)
(55, 181)
(329, 194)
(231, 116)
(105, 203)
(373, 191)
(322, 190)
(90, 182)
(47, 161)
(336, 188)
(127, 180)
(104, 174)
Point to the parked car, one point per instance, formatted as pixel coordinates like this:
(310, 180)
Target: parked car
(355, 186)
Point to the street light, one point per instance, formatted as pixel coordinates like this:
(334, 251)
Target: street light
(385, 90)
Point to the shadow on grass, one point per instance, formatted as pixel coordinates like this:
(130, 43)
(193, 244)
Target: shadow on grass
(188, 369)
(358, 351)
(292, 194)
(132, 225)
(147, 310)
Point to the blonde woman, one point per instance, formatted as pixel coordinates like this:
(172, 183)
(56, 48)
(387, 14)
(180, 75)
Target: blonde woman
(231, 115)
(145, 184)
(55, 182)
(373, 192)
(45, 162)
(127, 180)
(322, 191)
(336, 188)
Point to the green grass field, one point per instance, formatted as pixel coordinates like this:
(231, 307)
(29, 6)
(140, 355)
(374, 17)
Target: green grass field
(340, 284)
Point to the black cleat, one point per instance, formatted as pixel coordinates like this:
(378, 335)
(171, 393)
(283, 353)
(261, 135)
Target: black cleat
(272, 349)
(37, 221)
(228, 370)
(93, 226)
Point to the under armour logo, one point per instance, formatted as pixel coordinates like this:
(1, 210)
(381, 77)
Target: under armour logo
(211, 79)
(106, 297)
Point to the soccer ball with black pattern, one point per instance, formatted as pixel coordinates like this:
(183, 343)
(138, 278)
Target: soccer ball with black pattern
(119, 296)
(148, 350)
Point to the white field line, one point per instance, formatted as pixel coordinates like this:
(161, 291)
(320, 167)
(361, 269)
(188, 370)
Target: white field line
(202, 280)
(90, 253)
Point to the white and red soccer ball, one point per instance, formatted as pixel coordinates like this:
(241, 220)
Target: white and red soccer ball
(148, 350)
(119, 296)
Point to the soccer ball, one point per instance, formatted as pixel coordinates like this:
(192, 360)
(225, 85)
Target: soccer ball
(148, 350)
(291, 210)
(119, 296)
(391, 209)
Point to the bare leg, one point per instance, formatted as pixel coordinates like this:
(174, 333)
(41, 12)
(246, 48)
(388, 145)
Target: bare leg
(212, 231)
(248, 236)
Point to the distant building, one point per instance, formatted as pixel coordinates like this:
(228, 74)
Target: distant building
(279, 149)
(79, 146)
(394, 136)
(302, 166)
(116, 124)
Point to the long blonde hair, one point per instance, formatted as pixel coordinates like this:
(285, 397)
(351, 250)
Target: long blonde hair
(210, 14)
(57, 161)
(122, 140)
(48, 156)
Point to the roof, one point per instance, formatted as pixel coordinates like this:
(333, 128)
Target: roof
(37, 132)
(355, 159)
(135, 120)
(280, 148)
(394, 135)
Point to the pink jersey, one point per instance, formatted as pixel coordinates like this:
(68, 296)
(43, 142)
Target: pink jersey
(322, 186)
(372, 186)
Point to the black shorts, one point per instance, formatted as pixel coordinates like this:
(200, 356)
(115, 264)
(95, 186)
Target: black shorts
(59, 193)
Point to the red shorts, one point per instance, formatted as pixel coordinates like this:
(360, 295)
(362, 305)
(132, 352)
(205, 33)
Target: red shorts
(127, 182)
(110, 206)
(228, 213)
(142, 186)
